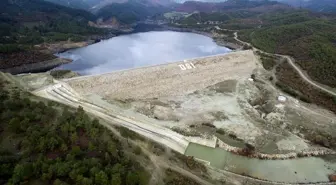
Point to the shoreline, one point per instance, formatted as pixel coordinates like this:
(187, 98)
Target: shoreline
(36, 67)
(63, 46)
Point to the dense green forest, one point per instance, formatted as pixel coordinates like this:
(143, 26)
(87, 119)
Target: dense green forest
(42, 143)
(130, 12)
(309, 38)
(226, 18)
(25, 23)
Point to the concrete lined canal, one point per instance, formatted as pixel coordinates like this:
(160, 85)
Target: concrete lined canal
(303, 170)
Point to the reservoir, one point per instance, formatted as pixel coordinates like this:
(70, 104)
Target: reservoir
(139, 50)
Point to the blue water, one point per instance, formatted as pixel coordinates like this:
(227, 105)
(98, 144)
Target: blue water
(138, 50)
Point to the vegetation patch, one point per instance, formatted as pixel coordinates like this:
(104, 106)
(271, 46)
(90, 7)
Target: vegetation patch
(185, 132)
(41, 145)
(174, 178)
(190, 163)
(308, 38)
(288, 80)
(268, 61)
(60, 74)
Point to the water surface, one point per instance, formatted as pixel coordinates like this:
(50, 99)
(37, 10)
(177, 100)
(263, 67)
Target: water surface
(140, 49)
(308, 169)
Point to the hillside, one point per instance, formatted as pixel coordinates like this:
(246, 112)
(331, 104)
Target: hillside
(309, 38)
(42, 145)
(96, 5)
(32, 20)
(230, 5)
(324, 6)
(43, 142)
(27, 23)
(230, 14)
(130, 12)
(78, 4)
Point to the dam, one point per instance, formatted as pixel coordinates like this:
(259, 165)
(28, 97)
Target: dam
(117, 96)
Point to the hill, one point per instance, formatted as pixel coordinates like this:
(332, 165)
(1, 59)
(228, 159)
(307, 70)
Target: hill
(95, 5)
(32, 20)
(77, 4)
(24, 24)
(309, 38)
(43, 142)
(231, 14)
(324, 6)
(40, 145)
(130, 12)
(230, 5)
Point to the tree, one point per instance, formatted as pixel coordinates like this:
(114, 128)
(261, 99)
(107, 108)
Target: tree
(117, 168)
(116, 179)
(14, 125)
(21, 172)
(62, 169)
(59, 182)
(101, 178)
(75, 150)
(86, 181)
(132, 178)
(74, 137)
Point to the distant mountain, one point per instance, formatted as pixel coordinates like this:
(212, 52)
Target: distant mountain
(325, 6)
(95, 5)
(38, 10)
(27, 26)
(131, 11)
(191, 6)
(78, 4)
(36, 21)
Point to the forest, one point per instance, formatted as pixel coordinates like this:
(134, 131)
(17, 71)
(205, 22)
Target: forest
(309, 38)
(130, 12)
(43, 144)
(26, 23)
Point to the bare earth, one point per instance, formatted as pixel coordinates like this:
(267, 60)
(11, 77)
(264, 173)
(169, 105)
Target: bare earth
(169, 79)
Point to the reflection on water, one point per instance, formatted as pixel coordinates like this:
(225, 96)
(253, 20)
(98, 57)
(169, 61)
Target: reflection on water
(141, 49)
(310, 169)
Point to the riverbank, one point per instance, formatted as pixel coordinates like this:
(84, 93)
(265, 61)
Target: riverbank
(41, 58)
(36, 67)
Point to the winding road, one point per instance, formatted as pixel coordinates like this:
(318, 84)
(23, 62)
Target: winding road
(292, 63)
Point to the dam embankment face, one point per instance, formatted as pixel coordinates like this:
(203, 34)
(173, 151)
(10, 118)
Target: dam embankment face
(171, 79)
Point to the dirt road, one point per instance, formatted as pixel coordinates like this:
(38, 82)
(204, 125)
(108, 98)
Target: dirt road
(292, 63)
(62, 93)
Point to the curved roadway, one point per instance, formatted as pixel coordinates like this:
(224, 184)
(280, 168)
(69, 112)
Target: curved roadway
(291, 62)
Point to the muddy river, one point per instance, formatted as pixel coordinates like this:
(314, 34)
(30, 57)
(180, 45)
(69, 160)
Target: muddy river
(138, 50)
(309, 169)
